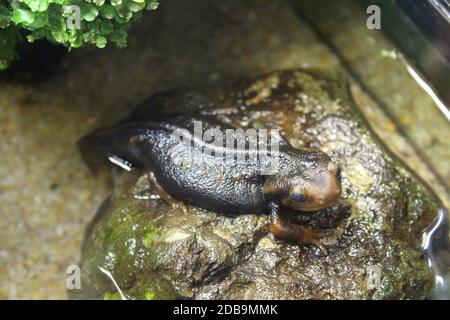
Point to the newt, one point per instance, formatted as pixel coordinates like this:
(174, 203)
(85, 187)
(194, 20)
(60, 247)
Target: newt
(221, 177)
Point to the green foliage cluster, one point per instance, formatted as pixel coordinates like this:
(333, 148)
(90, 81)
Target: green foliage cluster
(102, 21)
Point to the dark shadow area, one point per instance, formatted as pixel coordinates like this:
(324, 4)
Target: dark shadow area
(35, 63)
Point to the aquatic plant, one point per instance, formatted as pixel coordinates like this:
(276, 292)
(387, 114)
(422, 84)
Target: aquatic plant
(72, 23)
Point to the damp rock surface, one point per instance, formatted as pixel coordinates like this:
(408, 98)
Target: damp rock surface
(153, 251)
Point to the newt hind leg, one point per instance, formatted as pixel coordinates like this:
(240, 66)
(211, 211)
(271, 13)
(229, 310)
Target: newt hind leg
(171, 201)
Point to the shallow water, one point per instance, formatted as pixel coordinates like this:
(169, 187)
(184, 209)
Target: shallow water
(404, 97)
(436, 245)
(394, 83)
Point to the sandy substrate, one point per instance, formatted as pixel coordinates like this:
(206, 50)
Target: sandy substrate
(47, 195)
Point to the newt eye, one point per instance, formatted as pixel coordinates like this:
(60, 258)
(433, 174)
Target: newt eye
(298, 197)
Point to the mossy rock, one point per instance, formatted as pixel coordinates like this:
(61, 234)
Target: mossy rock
(374, 249)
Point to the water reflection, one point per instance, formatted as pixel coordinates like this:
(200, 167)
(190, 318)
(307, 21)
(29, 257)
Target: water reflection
(436, 244)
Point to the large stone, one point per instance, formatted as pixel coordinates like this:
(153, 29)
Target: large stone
(374, 248)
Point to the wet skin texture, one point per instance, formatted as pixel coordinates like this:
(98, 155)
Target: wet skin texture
(304, 180)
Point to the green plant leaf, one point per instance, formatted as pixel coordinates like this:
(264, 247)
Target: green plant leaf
(88, 12)
(4, 17)
(22, 16)
(38, 5)
(101, 22)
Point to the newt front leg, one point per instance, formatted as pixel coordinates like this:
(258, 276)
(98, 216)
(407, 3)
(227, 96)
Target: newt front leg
(297, 233)
(171, 201)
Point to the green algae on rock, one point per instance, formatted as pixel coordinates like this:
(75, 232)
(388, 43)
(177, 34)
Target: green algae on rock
(374, 248)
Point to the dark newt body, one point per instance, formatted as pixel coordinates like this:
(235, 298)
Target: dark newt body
(304, 180)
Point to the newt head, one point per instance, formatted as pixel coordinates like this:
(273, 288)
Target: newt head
(313, 187)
